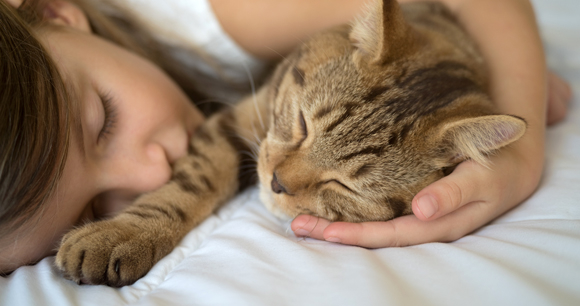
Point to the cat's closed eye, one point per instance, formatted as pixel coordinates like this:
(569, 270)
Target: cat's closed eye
(303, 127)
(339, 183)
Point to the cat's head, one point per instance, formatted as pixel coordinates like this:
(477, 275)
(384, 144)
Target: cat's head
(366, 115)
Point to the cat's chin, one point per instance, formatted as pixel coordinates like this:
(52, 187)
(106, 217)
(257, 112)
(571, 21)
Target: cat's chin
(268, 199)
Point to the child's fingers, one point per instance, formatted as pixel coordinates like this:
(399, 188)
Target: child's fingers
(309, 226)
(408, 230)
(466, 184)
(466, 199)
(402, 231)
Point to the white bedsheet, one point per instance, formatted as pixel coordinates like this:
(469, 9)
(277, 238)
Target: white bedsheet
(244, 256)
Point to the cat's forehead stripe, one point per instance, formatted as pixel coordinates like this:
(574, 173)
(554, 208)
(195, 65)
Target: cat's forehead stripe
(429, 91)
(364, 169)
(298, 75)
(347, 113)
(393, 139)
(376, 150)
(405, 130)
(323, 111)
(278, 77)
(442, 67)
(376, 91)
(282, 71)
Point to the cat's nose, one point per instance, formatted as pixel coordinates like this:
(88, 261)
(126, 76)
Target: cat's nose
(276, 186)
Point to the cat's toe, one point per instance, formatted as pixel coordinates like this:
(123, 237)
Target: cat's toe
(104, 253)
(80, 260)
(129, 261)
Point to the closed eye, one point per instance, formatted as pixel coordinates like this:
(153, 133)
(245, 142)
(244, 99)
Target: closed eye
(110, 117)
(303, 126)
(339, 183)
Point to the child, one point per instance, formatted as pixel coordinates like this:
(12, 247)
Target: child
(91, 123)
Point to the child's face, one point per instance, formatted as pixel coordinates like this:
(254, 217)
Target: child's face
(118, 150)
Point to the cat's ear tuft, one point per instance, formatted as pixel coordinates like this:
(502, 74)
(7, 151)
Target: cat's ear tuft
(475, 138)
(381, 33)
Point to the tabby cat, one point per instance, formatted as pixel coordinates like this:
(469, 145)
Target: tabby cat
(352, 125)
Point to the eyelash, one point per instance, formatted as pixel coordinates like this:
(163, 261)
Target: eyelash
(110, 116)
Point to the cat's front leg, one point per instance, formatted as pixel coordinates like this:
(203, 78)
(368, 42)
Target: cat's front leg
(119, 251)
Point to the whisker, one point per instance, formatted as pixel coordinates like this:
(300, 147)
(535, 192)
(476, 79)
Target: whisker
(250, 162)
(254, 176)
(254, 94)
(283, 57)
(255, 134)
(253, 146)
(407, 189)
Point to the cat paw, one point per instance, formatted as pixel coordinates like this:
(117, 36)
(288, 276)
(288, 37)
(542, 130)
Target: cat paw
(107, 252)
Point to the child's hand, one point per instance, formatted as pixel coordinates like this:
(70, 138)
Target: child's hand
(465, 200)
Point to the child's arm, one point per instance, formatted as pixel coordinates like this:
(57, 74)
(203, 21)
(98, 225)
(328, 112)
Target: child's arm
(271, 29)
(473, 195)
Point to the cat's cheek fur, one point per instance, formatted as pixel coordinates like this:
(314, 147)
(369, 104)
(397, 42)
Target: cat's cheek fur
(265, 171)
(267, 198)
(278, 204)
(282, 205)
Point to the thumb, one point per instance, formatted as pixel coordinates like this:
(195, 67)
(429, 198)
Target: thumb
(464, 185)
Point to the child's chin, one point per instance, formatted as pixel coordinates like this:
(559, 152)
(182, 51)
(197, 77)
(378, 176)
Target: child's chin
(268, 200)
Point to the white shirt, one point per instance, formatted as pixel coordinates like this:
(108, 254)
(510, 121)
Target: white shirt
(192, 25)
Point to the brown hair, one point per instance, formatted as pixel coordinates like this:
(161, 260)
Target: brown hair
(34, 119)
(34, 105)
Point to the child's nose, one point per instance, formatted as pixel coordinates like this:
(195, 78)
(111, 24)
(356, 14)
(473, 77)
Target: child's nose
(155, 154)
(138, 171)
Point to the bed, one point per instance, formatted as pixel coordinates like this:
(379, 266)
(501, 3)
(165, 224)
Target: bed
(242, 255)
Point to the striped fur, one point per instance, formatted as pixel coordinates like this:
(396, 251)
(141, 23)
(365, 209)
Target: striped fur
(351, 126)
(390, 103)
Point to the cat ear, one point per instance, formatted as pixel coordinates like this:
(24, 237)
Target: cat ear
(381, 34)
(474, 138)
